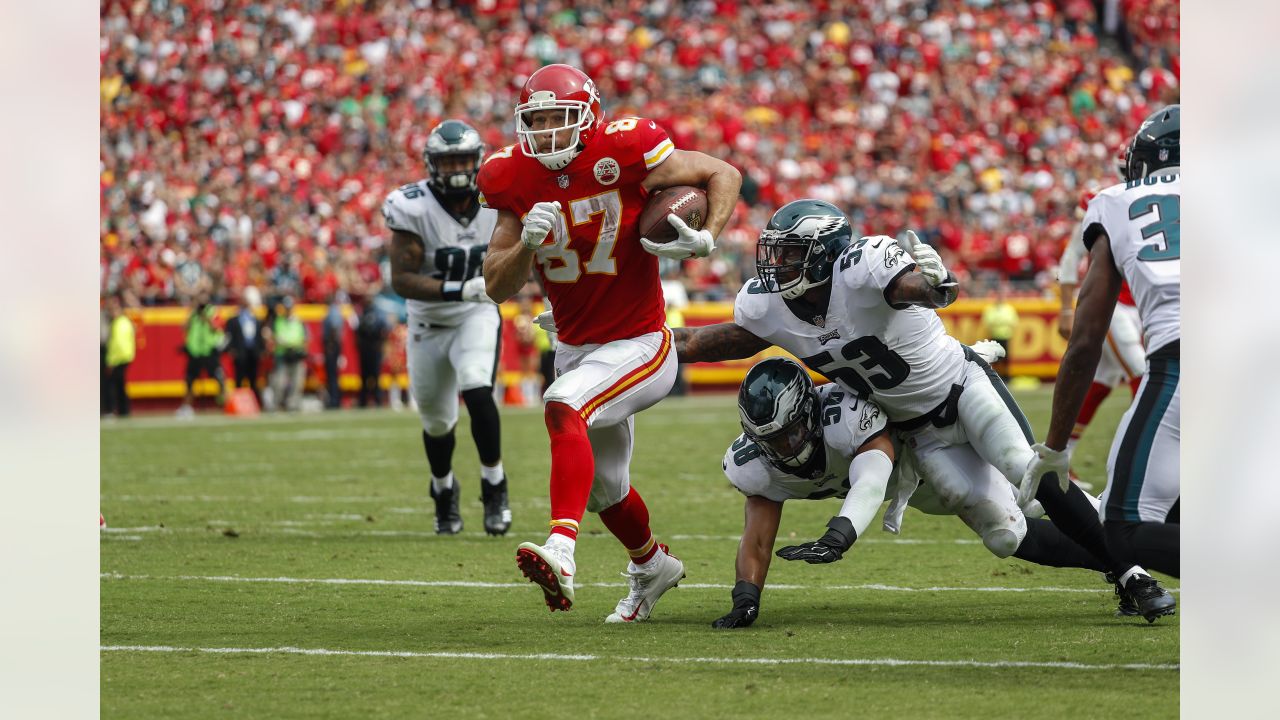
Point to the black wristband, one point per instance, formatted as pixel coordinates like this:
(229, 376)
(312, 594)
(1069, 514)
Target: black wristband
(451, 291)
(745, 594)
(840, 533)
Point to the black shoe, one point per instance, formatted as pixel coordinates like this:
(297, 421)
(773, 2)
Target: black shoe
(448, 519)
(497, 515)
(1152, 600)
(1127, 607)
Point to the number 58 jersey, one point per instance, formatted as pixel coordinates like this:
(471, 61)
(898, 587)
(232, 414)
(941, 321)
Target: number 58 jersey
(1142, 220)
(902, 357)
(453, 250)
(602, 284)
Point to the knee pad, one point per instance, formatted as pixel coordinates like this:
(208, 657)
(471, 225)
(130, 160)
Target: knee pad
(1001, 527)
(1002, 542)
(434, 426)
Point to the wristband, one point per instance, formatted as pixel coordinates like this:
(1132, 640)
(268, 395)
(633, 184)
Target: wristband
(745, 594)
(451, 291)
(840, 533)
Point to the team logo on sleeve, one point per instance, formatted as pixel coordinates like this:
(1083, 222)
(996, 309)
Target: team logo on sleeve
(869, 415)
(607, 171)
(892, 256)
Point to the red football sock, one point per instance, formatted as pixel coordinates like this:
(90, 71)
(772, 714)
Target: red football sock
(1097, 393)
(629, 522)
(572, 468)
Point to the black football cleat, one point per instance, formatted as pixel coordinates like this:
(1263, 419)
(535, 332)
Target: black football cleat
(1127, 607)
(448, 519)
(497, 514)
(1151, 600)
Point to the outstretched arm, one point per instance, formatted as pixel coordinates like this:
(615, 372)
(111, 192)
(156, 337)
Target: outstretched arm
(759, 530)
(913, 289)
(715, 343)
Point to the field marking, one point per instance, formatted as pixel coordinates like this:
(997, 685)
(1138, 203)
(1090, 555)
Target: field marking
(871, 662)
(489, 585)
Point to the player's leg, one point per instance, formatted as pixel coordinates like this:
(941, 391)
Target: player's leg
(435, 388)
(598, 386)
(1143, 469)
(969, 487)
(474, 357)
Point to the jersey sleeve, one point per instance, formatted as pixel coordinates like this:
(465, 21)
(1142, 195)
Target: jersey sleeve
(395, 210)
(745, 469)
(496, 184)
(750, 307)
(1092, 226)
(642, 144)
(851, 421)
(870, 266)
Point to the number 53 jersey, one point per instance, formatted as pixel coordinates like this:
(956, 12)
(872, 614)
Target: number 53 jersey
(453, 250)
(902, 357)
(1142, 220)
(602, 284)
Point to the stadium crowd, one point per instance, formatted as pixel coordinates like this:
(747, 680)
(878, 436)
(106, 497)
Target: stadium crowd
(250, 143)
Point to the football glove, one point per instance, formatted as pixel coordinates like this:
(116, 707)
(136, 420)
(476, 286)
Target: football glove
(746, 607)
(546, 321)
(1047, 465)
(929, 262)
(691, 243)
(826, 549)
(539, 221)
(473, 291)
(988, 350)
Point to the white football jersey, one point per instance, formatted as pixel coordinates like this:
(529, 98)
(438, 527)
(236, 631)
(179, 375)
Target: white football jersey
(454, 250)
(1142, 219)
(903, 357)
(847, 423)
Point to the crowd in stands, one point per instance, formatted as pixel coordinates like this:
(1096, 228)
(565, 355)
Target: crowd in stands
(250, 143)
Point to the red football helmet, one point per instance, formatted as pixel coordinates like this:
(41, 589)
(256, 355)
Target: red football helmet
(558, 87)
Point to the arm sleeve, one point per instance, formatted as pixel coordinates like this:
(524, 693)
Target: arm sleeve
(872, 264)
(1092, 226)
(1072, 254)
(641, 144)
(496, 188)
(869, 477)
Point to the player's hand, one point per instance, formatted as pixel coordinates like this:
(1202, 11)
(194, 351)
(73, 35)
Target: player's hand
(746, 607)
(546, 321)
(929, 262)
(988, 350)
(1066, 319)
(691, 243)
(541, 218)
(473, 291)
(1047, 465)
(826, 549)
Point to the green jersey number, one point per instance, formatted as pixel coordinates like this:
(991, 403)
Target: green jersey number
(1165, 229)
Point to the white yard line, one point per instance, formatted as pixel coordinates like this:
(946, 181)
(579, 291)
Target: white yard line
(487, 585)
(871, 662)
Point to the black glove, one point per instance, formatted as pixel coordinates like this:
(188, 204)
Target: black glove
(746, 607)
(826, 549)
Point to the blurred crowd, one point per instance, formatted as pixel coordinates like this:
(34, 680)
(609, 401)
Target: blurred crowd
(250, 143)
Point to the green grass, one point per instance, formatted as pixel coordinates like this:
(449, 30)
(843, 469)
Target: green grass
(197, 508)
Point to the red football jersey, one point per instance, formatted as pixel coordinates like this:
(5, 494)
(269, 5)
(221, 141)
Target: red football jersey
(602, 284)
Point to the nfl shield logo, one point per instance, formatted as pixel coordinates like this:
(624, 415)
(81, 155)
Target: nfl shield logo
(1163, 154)
(563, 181)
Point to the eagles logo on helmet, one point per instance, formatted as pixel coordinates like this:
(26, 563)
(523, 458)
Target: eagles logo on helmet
(453, 138)
(778, 409)
(799, 246)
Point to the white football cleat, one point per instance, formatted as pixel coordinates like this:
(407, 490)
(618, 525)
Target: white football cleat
(551, 568)
(663, 572)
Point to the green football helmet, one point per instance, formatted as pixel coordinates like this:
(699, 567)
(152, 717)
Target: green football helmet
(798, 248)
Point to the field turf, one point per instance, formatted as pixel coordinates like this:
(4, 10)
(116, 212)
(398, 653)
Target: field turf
(285, 567)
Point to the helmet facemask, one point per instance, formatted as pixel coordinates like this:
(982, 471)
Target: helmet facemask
(453, 173)
(548, 144)
(786, 263)
(792, 434)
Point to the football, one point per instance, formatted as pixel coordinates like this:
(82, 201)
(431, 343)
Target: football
(689, 203)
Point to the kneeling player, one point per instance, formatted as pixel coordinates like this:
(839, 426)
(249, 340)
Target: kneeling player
(807, 443)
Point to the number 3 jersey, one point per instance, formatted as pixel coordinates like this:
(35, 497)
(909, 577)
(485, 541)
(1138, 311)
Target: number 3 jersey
(1142, 220)
(902, 357)
(848, 423)
(453, 249)
(602, 284)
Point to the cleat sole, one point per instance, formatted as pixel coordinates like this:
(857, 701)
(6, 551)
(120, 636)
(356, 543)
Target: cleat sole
(539, 573)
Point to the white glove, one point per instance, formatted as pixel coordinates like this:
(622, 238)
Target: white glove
(546, 321)
(928, 260)
(541, 218)
(691, 243)
(473, 291)
(988, 350)
(1045, 462)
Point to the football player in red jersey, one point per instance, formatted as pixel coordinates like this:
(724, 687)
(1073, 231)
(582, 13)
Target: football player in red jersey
(568, 196)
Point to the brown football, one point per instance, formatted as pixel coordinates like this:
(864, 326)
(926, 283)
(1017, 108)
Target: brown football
(689, 203)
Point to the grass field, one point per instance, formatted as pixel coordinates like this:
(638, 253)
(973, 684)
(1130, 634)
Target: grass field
(285, 568)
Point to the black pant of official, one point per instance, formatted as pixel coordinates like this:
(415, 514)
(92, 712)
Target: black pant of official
(117, 396)
(370, 372)
(334, 399)
(245, 367)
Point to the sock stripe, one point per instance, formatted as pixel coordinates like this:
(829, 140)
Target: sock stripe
(565, 523)
(644, 550)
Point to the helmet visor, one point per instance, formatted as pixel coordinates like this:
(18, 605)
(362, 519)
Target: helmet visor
(781, 262)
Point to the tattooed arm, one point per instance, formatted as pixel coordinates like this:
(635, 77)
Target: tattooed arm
(913, 289)
(407, 256)
(713, 343)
